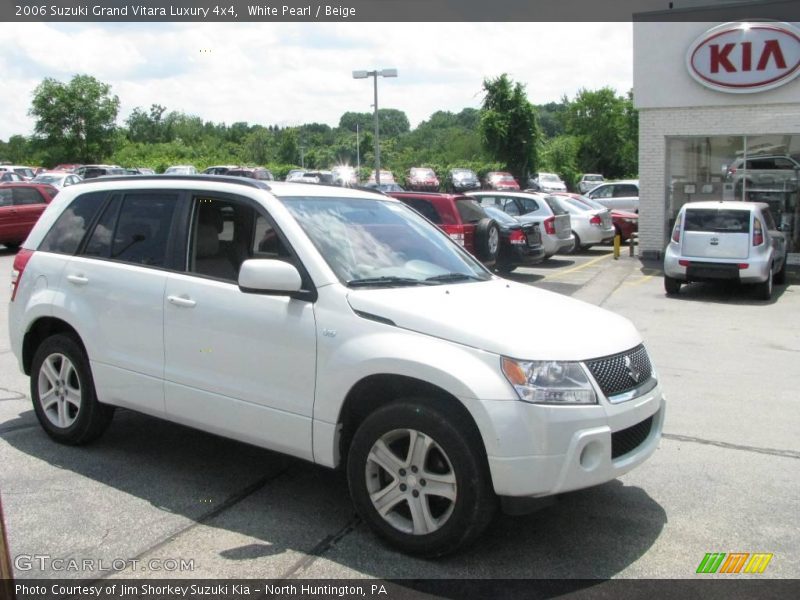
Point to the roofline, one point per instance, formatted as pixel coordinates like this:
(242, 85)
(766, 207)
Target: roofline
(246, 181)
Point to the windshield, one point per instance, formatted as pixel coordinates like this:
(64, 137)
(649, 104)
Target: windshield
(548, 177)
(593, 178)
(423, 173)
(379, 243)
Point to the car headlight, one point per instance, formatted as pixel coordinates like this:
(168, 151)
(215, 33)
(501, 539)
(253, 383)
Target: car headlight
(549, 382)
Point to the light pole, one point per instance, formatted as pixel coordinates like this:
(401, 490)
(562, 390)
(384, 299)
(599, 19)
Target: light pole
(358, 153)
(375, 74)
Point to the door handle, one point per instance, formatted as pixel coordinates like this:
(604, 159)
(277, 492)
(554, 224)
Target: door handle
(181, 301)
(78, 279)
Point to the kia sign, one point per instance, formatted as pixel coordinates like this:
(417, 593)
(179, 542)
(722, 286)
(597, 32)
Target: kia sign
(743, 58)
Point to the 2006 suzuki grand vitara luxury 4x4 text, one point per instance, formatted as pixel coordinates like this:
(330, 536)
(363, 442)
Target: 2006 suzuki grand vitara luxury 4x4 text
(335, 325)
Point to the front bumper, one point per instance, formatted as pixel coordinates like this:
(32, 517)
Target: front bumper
(553, 449)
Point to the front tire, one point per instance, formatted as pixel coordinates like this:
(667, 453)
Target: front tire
(419, 478)
(63, 393)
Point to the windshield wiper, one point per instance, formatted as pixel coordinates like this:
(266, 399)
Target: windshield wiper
(387, 281)
(454, 277)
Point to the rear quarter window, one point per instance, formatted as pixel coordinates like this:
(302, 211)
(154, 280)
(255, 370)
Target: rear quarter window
(555, 206)
(71, 226)
(717, 221)
(426, 209)
(469, 210)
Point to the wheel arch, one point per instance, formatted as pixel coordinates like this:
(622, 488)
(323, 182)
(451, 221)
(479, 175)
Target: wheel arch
(40, 330)
(375, 391)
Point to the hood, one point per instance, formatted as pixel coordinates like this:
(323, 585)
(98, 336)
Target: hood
(502, 317)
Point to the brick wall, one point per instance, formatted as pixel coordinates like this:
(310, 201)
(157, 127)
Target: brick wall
(655, 124)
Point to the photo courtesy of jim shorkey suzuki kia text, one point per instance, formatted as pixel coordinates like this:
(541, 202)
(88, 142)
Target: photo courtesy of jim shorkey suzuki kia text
(190, 590)
(178, 12)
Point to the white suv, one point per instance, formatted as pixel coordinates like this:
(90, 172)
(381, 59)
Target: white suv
(335, 325)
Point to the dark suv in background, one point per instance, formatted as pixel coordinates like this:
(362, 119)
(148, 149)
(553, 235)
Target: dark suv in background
(462, 218)
(462, 180)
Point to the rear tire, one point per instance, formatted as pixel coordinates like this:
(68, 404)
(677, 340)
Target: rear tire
(419, 478)
(63, 393)
(764, 289)
(672, 286)
(577, 247)
(780, 276)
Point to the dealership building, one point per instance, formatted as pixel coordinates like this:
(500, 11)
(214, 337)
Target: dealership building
(719, 118)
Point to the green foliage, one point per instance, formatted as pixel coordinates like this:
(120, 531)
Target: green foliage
(508, 125)
(606, 127)
(74, 121)
(560, 155)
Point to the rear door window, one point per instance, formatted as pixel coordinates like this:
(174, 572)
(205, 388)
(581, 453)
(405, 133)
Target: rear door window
(142, 232)
(625, 190)
(24, 196)
(712, 220)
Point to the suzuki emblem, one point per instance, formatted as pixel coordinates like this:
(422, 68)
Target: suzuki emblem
(633, 370)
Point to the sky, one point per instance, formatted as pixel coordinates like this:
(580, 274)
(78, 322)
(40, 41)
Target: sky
(293, 73)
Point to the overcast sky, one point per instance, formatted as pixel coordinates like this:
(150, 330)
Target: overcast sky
(294, 73)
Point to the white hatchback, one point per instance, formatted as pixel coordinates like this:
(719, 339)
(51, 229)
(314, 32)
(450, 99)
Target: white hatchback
(335, 325)
(725, 241)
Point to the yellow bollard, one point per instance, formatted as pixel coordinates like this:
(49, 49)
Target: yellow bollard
(617, 245)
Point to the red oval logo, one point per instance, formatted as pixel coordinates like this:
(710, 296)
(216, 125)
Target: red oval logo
(745, 57)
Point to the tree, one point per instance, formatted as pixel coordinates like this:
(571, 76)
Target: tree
(288, 148)
(604, 125)
(147, 127)
(508, 125)
(75, 121)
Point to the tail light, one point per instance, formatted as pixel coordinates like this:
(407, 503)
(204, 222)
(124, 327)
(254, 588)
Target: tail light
(456, 233)
(676, 231)
(758, 233)
(517, 238)
(550, 225)
(20, 261)
(596, 220)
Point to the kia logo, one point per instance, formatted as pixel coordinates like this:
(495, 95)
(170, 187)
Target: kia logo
(745, 57)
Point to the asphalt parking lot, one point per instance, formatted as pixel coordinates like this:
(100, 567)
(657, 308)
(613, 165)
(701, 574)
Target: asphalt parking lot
(152, 499)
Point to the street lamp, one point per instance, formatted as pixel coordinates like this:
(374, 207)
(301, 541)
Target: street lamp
(375, 74)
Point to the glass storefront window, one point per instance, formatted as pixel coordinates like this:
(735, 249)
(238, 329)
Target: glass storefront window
(764, 168)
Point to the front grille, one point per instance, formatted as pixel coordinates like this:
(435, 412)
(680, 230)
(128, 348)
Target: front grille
(621, 372)
(631, 438)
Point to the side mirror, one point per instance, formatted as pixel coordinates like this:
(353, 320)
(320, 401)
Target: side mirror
(268, 276)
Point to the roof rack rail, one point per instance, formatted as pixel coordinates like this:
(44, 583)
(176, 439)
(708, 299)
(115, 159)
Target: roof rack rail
(255, 183)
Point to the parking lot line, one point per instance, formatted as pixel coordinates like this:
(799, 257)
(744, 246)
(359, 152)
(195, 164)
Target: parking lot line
(579, 267)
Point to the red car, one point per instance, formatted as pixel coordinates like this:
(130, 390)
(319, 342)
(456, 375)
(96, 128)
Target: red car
(21, 204)
(500, 180)
(625, 222)
(462, 218)
(422, 179)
